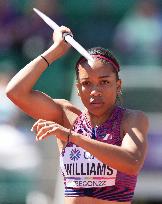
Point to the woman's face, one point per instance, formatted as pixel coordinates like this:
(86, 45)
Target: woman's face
(98, 87)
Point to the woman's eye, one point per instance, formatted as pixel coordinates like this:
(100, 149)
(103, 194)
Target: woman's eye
(104, 82)
(85, 83)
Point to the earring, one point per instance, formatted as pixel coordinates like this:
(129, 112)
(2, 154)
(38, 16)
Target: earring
(119, 100)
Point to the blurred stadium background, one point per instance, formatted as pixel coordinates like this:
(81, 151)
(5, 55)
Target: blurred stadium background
(29, 171)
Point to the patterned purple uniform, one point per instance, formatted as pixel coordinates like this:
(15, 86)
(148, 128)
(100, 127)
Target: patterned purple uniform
(84, 175)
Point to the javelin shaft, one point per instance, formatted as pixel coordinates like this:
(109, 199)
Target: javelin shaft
(68, 38)
(46, 19)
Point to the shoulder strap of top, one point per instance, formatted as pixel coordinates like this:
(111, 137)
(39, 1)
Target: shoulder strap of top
(117, 120)
(77, 121)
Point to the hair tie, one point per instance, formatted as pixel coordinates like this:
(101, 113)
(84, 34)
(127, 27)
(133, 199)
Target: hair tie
(45, 60)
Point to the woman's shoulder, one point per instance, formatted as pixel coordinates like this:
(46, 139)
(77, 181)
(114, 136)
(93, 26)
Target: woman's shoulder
(67, 105)
(132, 113)
(70, 112)
(135, 117)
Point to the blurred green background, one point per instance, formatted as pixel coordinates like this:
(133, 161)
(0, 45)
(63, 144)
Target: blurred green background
(132, 30)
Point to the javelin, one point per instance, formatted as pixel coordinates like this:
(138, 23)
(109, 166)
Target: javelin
(67, 37)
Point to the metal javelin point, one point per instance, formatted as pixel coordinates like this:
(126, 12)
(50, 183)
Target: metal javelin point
(68, 38)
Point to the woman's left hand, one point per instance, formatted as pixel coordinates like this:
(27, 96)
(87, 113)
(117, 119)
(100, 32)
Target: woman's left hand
(44, 128)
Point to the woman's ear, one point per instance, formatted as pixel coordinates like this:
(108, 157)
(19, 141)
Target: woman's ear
(119, 86)
(77, 87)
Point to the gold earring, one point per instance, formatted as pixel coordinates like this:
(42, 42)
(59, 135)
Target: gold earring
(119, 100)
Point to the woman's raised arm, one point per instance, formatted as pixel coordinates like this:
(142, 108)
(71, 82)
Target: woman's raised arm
(20, 88)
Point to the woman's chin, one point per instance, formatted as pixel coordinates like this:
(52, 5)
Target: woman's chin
(96, 110)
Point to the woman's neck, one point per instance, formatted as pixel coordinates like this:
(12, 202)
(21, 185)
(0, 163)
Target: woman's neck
(98, 120)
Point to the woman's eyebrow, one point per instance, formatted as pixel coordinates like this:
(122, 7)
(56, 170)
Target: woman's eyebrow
(106, 76)
(84, 78)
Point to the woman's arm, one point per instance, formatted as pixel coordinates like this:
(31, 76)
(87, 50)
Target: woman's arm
(20, 88)
(127, 158)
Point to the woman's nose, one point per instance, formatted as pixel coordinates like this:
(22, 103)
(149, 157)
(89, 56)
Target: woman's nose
(95, 91)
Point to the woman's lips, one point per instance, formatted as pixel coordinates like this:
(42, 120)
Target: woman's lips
(97, 104)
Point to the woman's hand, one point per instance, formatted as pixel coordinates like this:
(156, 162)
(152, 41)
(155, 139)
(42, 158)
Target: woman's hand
(59, 40)
(44, 128)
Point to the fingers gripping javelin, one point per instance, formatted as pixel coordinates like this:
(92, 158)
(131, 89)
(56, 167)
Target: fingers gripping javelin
(67, 37)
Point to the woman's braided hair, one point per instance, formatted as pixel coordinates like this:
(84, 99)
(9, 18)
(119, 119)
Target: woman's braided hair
(100, 52)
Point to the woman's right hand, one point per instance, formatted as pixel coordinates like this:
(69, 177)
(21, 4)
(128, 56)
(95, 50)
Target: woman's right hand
(59, 40)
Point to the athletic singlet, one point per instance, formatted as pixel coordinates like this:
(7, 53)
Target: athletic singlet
(85, 175)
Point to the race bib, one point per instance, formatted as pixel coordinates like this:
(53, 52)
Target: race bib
(83, 170)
